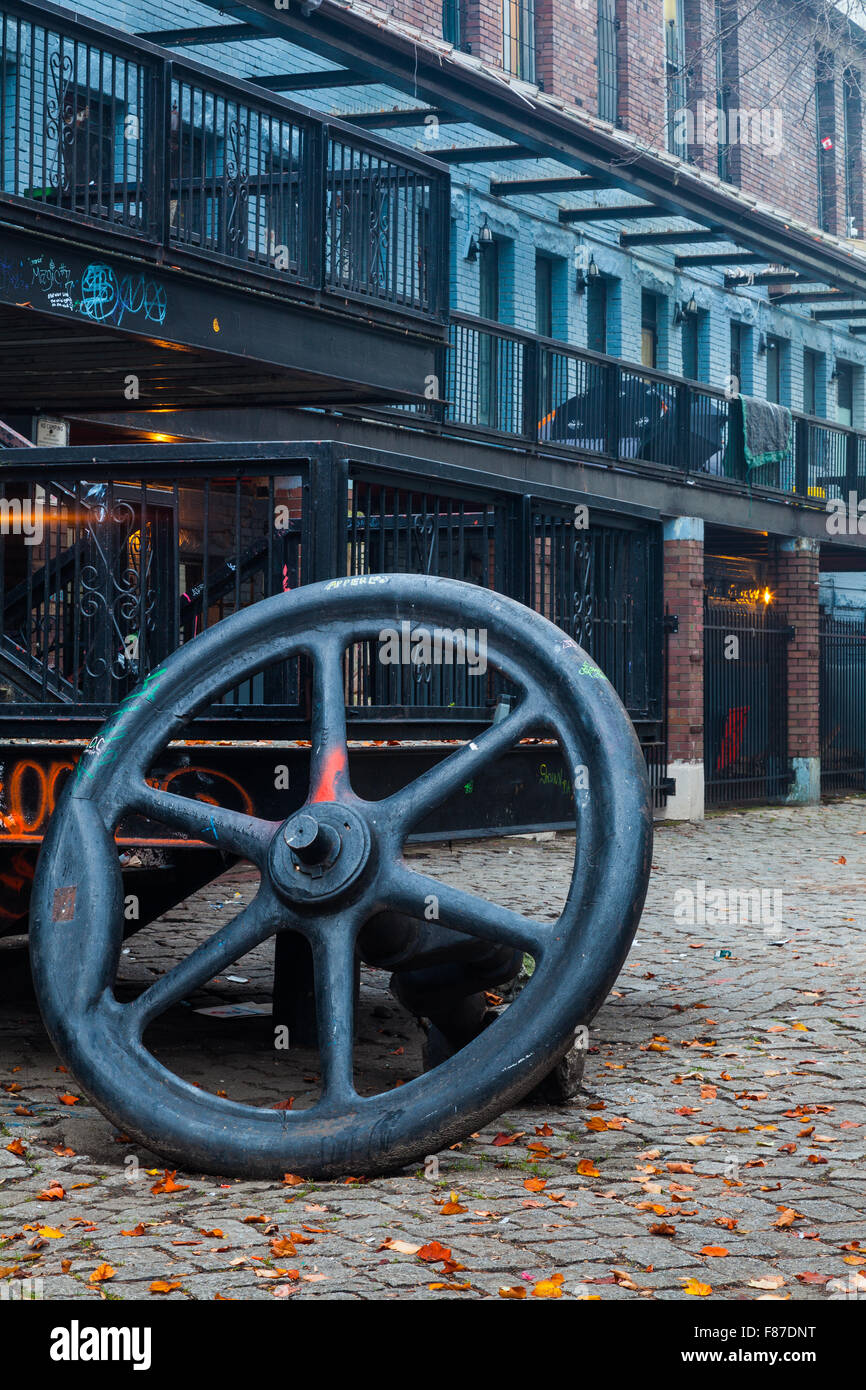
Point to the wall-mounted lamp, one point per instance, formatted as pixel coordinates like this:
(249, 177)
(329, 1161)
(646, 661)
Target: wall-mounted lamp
(583, 277)
(485, 236)
(685, 310)
(762, 344)
(834, 375)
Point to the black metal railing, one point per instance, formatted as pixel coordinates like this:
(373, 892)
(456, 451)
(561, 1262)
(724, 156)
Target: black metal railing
(501, 381)
(745, 704)
(101, 580)
(842, 702)
(111, 132)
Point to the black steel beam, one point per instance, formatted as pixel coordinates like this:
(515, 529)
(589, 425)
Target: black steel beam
(722, 258)
(395, 120)
(309, 81)
(210, 331)
(343, 35)
(568, 183)
(853, 311)
(769, 277)
(680, 238)
(626, 212)
(805, 296)
(481, 154)
(190, 38)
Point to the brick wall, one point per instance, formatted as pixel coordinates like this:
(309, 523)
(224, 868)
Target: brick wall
(684, 596)
(796, 590)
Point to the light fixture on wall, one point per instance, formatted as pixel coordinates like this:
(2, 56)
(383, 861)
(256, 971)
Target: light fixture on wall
(762, 344)
(685, 310)
(485, 236)
(583, 277)
(834, 375)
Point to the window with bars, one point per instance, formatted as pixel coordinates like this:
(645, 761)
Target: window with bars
(727, 84)
(676, 86)
(825, 125)
(518, 38)
(452, 22)
(853, 113)
(608, 38)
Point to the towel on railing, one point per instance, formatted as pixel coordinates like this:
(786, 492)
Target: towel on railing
(766, 432)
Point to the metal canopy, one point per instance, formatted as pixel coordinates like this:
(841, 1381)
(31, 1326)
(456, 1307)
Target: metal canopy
(433, 72)
(852, 312)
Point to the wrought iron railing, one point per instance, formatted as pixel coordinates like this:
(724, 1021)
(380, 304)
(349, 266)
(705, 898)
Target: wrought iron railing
(103, 579)
(745, 704)
(111, 132)
(842, 702)
(498, 380)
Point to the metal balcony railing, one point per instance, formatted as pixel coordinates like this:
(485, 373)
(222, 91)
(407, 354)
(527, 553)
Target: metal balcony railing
(499, 382)
(113, 133)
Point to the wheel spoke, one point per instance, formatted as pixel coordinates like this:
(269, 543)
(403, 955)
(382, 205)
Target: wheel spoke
(334, 970)
(409, 805)
(250, 928)
(329, 758)
(230, 830)
(415, 893)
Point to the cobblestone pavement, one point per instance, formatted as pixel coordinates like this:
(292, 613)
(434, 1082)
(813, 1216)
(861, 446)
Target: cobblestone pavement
(722, 1110)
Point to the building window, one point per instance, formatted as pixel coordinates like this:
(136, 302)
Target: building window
(825, 124)
(649, 329)
(853, 112)
(741, 358)
(777, 374)
(727, 82)
(844, 393)
(608, 34)
(596, 314)
(518, 38)
(813, 382)
(488, 350)
(452, 22)
(676, 87)
(694, 345)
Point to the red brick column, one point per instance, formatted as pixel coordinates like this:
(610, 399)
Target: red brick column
(684, 598)
(796, 593)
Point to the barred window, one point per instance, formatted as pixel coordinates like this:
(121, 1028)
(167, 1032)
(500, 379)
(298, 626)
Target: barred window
(518, 38)
(608, 36)
(676, 94)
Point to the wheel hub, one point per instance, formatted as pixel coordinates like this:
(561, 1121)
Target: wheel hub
(319, 853)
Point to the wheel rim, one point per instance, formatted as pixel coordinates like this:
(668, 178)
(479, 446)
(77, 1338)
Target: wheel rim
(328, 891)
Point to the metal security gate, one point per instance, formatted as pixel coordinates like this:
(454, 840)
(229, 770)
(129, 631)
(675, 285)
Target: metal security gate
(842, 703)
(745, 704)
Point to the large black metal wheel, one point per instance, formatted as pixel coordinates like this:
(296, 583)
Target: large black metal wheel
(329, 870)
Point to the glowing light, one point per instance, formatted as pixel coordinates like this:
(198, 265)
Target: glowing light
(767, 596)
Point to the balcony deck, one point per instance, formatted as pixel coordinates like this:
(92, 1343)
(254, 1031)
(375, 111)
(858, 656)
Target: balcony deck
(215, 243)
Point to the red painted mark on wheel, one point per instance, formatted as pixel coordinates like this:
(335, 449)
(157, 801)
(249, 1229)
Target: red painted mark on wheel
(334, 769)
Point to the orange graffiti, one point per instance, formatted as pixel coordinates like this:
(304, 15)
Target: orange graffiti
(16, 820)
(30, 794)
